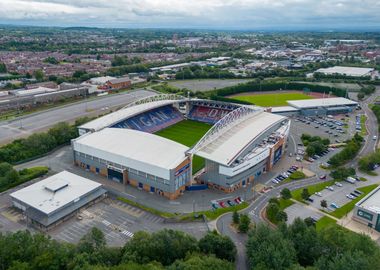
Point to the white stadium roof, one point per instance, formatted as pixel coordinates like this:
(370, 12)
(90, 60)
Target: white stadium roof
(226, 148)
(321, 102)
(134, 149)
(348, 71)
(124, 113)
(283, 109)
(52, 193)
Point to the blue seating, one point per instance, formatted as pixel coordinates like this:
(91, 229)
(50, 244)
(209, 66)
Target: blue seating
(153, 120)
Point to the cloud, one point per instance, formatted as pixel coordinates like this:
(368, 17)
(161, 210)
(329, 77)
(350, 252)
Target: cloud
(194, 13)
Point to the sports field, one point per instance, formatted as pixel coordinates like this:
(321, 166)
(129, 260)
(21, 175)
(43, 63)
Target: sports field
(271, 99)
(188, 133)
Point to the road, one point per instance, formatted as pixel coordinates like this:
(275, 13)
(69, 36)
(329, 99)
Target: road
(27, 125)
(259, 203)
(254, 210)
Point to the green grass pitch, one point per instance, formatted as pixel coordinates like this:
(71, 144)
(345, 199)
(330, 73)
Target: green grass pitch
(188, 133)
(269, 100)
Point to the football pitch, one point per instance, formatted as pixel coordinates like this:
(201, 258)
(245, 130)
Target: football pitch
(271, 99)
(187, 132)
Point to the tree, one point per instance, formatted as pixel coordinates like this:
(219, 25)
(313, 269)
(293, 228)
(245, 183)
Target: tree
(323, 203)
(281, 216)
(235, 217)
(39, 75)
(197, 262)
(221, 246)
(305, 194)
(94, 240)
(3, 68)
(274, 200)
(245, 221)
(269, 249)
(286, 194)
(272, 211)
(309, 222)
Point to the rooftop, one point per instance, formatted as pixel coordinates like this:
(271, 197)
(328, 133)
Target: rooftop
(321, 102)
(349, 71)
(52, 193)
(371, 201)
(131, 148)
(227, 147)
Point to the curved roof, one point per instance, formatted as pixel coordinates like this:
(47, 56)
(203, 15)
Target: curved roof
(123, 114)
(134, 149)
(226, 148)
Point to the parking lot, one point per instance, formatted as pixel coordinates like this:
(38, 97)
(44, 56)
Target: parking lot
(297, 210)
(336, 196)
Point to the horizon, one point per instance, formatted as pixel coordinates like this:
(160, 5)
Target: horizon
(245, 15)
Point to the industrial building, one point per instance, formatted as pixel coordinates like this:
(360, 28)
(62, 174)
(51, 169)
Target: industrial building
(48, 202)
(243, 142)
(347, 71)
(367, 210)
(323, 106)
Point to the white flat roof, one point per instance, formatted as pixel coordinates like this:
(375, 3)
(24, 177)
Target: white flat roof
(321, 102)
(349, 71)
(371, 201)
(134, 149)
(284, 109)
(69, 187)
(226, 148)
(115, 117)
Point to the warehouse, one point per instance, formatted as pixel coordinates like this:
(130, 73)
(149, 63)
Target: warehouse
(52, 200)
(346, 71)
(367, 210)
(323, 106)
(137, 158)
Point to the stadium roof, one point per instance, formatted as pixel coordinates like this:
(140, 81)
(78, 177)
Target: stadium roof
(55, 192)
(123, 114)
(321, 102)
(371, 201)
(226, 148)
(348, 71)
(134, 149)
(283, 109)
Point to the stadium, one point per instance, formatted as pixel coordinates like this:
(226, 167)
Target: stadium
(167, 144)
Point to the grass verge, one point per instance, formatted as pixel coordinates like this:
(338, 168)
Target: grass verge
(324, 222)
(363, 119)
(210, 214)
(296, 194)
(277, 99)
(343, 210)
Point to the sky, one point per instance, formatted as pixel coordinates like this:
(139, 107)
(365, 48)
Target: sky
(206, 14)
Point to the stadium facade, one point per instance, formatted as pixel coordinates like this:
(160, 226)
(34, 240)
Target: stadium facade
(243, 142)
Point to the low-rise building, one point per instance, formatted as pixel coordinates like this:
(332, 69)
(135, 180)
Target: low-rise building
(367, 210)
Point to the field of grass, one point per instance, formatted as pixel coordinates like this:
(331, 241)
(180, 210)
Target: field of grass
(324, 222)
(188, 133)
(296, 194)
(343, 210)
(363, 119)
(272, 99)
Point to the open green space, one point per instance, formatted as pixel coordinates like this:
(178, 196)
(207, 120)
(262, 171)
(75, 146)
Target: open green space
(296, 194)
(363, 119)
(272, 99)
(188, 133)
(343, 210)
(324, 222)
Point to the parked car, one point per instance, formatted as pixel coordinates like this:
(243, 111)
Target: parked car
(319, 194)
(354, 194)
(358, 192)
(237, 200)
(215, 206)
(334, 205)
(322, 177)
(230, 203)
(338, 184)
(330, 188)
(222, 204)
(349, 196)
(310, 199)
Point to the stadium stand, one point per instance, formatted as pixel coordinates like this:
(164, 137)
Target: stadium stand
(152, 121)
(207, 114)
